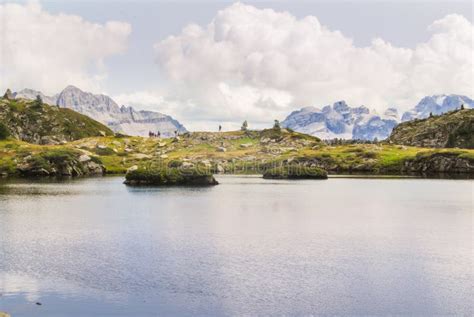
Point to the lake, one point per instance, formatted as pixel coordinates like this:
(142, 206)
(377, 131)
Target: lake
(345, 246)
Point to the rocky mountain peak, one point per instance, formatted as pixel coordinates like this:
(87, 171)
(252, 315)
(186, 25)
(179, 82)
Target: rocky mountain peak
(341, 106)
(340, 121)
(104, 109)
(436, 105)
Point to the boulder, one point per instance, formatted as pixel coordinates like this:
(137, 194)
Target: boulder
(84, 158)
(132, 168)
(185, 165)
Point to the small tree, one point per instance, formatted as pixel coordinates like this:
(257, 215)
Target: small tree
(38, 101)
(4, 133)
(244, 126)
(276, 125)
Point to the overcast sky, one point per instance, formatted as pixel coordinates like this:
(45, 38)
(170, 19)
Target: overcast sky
(208, 62)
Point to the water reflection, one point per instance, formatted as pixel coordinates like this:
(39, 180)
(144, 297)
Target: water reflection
(246, 247)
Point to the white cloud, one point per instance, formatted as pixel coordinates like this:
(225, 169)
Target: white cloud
(255, 64)
(49, 51)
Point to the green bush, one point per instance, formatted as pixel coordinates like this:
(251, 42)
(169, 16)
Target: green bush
(96, 159)
(4, 133)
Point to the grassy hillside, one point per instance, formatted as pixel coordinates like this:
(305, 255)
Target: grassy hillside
(243, 153)
(453, 129)
(40, 123)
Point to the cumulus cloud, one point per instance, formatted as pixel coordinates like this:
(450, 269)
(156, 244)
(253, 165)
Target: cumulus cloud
(259, 64)
(48, 51)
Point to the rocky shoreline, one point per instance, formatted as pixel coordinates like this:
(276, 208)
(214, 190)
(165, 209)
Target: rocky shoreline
(236, 152)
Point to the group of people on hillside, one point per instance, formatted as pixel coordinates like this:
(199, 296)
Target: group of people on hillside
(152, 134)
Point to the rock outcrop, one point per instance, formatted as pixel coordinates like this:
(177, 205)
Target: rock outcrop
(439, 163)
(59, 163)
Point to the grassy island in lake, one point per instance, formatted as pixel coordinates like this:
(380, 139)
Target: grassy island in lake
(169, 177)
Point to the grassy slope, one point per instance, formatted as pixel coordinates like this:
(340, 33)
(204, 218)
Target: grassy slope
(262, 149)
(453, 129)
(28, 121)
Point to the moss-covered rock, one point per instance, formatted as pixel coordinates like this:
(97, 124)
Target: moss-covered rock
(295, 172)
(169, 177)
(59, 162)
(440, 162)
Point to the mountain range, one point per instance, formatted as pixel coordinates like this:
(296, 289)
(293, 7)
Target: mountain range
(332, 121)
(104, 109)
(343, 121)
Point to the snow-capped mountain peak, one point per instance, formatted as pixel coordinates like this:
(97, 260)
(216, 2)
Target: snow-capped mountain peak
(343, 121)
(340, 121)
(436, 105)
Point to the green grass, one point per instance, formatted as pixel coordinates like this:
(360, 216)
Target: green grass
(36, 121)
(374, 158)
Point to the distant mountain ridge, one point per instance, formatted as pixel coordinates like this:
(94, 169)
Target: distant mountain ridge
(104, 109)
(436, 105)
(343, 121)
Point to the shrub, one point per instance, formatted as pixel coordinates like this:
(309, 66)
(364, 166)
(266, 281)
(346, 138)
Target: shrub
(276, 125)
(96, 160)
(4, 133)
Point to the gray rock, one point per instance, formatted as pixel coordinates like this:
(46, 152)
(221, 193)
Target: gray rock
(84, 158)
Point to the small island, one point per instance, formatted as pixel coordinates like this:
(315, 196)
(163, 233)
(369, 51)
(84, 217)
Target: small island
(170, 177)
(295, 172)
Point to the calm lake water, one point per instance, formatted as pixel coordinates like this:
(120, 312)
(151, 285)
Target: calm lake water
(94, 247)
